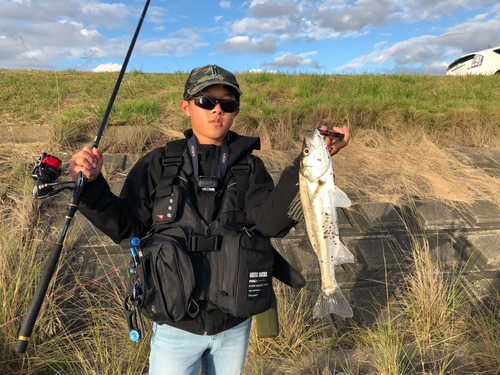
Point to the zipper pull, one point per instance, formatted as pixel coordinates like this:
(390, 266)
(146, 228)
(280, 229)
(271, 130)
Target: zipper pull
(207, 230)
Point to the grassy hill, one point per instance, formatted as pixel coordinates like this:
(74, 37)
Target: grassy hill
(450, 110)
(403, 128)
(401, 124)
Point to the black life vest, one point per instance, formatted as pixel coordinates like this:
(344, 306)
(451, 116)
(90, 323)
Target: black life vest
(224, 262)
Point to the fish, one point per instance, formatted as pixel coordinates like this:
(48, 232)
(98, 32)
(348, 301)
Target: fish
(315, 206)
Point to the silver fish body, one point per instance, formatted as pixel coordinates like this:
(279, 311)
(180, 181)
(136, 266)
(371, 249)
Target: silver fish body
(319, 198)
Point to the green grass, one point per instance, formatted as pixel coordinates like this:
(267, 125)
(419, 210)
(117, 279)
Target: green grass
(439, 105)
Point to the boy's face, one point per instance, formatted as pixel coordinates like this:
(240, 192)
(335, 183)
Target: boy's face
(210, 125)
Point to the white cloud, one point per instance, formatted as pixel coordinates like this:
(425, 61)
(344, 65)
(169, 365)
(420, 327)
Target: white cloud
(360, 15)
(155, 15)
(333, 19)
(256, 71)
(272, 9)
(109, 67)
(431, 10)
(179, 44)
(241, 45)
(111, 15)
(76, 27)
(427, 53)
(276, 25)
(50, 42)
(288, 60)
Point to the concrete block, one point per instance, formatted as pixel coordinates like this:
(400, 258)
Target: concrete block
(298, 230)
(439, 247)
(487, 247)
(436, 215)
(381, 215)
(377, 254)
(482, 289)
(443, 252)
(24, 133)
(483, 213)
(130, 160)
(343, 220)
(485, 159)
(492, 153)
(473, 157)
(113, 163)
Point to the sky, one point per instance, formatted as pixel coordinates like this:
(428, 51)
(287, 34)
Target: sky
(290, 36)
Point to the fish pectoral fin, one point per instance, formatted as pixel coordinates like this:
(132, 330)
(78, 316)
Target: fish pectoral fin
(340, 199)
(334, 303)
(295, 211)
(344, 256)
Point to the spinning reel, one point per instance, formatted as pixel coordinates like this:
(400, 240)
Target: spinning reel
(45, 173)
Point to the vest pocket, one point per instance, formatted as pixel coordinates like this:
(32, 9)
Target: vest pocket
(244, 277)
(166, 280)
(166, 207)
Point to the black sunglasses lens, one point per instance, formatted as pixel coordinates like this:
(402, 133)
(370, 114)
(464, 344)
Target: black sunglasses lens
(229, 106)
(207, 102)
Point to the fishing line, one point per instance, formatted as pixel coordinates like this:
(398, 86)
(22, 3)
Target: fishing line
(166, 49)
(65, 294)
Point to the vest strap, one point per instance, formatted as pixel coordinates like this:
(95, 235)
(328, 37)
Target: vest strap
(241, 172)
(171, 163)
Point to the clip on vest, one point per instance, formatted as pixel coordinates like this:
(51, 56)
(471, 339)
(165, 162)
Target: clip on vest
(208, 183)
(202, 243)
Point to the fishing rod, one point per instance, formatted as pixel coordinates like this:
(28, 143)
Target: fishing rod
(45, 172)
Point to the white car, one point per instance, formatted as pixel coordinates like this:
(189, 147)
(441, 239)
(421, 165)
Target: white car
(482, 62)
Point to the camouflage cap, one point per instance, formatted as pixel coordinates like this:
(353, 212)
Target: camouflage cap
(208, 75)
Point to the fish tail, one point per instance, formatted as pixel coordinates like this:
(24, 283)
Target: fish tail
(334, 303)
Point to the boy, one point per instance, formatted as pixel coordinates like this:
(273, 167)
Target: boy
(214, 339)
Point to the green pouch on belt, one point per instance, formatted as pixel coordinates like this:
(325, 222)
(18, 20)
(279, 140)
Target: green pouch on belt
(267, 322)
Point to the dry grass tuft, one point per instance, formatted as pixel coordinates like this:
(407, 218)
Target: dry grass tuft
(389, 169)
(299, 333)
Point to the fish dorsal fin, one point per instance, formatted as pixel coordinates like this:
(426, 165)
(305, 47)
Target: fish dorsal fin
(295, 211)
(344, 256)
(340, 199)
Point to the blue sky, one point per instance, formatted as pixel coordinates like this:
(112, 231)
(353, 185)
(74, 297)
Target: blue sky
(331, 36)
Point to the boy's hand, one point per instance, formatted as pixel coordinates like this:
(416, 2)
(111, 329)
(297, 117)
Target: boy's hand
(335, 144)
(89, 161)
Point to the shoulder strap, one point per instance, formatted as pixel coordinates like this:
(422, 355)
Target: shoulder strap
(241, 171)
(171, 163)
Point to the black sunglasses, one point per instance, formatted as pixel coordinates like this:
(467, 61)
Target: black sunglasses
(207, 102)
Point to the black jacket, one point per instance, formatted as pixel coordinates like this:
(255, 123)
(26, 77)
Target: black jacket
(130, 214)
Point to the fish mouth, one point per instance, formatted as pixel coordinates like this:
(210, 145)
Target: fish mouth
(313, 139)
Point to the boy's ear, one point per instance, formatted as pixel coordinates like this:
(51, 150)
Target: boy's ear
(185, 107)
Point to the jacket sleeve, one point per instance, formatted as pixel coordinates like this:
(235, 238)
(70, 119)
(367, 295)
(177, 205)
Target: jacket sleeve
(129, 214)
(267, 205)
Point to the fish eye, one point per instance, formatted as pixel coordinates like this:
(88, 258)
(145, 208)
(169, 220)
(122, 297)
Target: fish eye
(306, 151)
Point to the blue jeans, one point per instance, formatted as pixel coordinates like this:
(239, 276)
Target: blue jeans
(177, 352)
